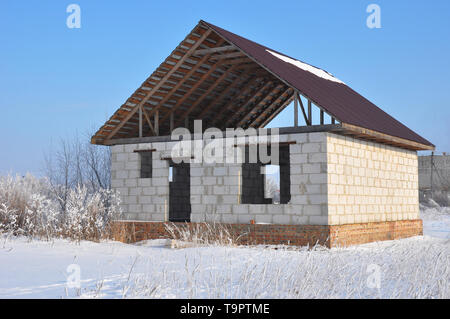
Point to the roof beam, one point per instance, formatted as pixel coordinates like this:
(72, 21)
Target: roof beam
(189, 93)
(381, 137)
(205, 94)
(227, 55)
(251, 97)
(278, 111)
(253, 109)
(234, 100)
(161, 82)
(182, 81)
(271, 107)
(221, 96)
(214, 50)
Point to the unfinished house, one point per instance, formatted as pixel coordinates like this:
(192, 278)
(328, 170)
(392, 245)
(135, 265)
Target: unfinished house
(346, 172)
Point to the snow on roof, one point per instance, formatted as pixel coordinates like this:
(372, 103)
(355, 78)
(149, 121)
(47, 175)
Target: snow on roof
(307, 67)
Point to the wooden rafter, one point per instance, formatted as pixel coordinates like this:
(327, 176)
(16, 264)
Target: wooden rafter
(214, 50)
(189, 93)
(253, 109)
(303, 109)
(251, 97)
(284, 95)
(235, 99)
(182, 81)
(206, 93)
(220, 97)
(281, 108)
(160, 83)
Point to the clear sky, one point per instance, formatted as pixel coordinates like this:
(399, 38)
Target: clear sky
(56, 81)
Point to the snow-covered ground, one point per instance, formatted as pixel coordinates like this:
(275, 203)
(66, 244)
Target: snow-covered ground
(417, 267)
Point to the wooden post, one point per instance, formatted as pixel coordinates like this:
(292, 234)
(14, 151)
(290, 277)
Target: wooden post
(295, 110)
(140, 121)
(321, 117)
(157, 122)
(309, 112)
(333, 120)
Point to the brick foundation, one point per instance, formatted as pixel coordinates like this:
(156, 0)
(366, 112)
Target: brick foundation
(298, 235)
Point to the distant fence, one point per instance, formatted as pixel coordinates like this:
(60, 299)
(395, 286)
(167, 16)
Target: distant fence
(434, 178)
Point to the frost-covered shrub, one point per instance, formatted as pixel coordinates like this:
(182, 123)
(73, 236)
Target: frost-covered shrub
(89, 215)
(30, 207)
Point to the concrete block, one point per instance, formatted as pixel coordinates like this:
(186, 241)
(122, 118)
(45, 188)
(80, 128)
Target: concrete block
(198, 208)
(115, 183)
(281, 219)
(244, 218)
(240, 209)
(312, 210)
(263, 219)
(117, 149)
(318, 220)
(311, 148)
(144, 182)
(131, 182)
(257, 209)
(229, 218)
(220, 171)
(300, 220)
(132, 165)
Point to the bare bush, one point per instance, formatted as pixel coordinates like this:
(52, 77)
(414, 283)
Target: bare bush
(74, 162)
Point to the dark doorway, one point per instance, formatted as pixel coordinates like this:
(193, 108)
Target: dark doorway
(180, 192)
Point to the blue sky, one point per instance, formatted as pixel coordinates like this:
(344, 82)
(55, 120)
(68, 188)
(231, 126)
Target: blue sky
(56, 81)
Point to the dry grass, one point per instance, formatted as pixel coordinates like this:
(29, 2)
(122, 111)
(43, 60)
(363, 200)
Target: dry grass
(201, 234)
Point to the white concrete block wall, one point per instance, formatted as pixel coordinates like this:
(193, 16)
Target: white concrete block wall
(142, 198)
(334, 180)
(370, 182)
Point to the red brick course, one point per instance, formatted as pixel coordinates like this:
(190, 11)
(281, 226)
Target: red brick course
(270, 234)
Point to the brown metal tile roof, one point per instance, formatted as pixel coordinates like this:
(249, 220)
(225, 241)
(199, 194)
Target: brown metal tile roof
(336, 98)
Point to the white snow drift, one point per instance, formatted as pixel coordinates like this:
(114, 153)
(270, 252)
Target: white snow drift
(417, 267)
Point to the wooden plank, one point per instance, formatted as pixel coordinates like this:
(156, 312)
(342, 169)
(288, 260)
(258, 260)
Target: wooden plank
(257, 105)
(145, 150)
(161, 82)
(295, 110)
(303, 109)
(271, 108)
(207, 92)
(385, 138)
(214, 50)
(227, 55)
(147, 117)
(235, 99)
(251, 97)
(221, 96)
(156, 120)
(140, 121)
(189, 93)
(277, 111)
(309, 112)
